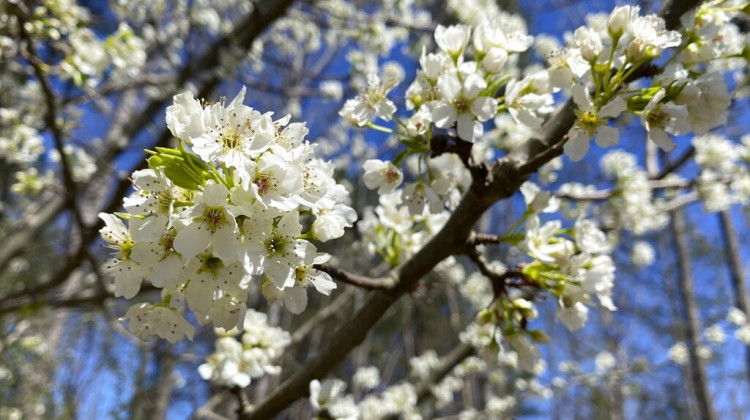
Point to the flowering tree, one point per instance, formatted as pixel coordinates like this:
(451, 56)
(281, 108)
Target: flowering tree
(234, 237)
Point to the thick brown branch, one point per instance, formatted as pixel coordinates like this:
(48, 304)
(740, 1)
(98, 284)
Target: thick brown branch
(321, 316)
(737, 276)
(691, 318)
(503, 179)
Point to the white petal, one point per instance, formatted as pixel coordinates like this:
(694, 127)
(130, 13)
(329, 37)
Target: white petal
(239, 99)
(613, 108)
(322, 282)
(662, 139)
(165, 273)
(444, 115)
(192, 240)
(295, 299)
(226, 243)
(215, 195)
(576, 147)
(200, 295)
(484, 108)
(581, 97)
(127, 279)
(280, 274)
(607, 136)
(289, 225)
(449, 86)
(473, 85)
(468, 128)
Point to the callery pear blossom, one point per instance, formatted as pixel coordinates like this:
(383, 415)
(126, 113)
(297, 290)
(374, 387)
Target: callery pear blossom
(384, 176)
(146, 319)
(185, 117)
(463, 105)
(650, 37)
(233, 133)
(223, 211)
(659, 118)
(452, 39)
(619, 20)
(126, 271)
(209, 222)
(236, 362)
(373, 101)
(592, 121)
(589, 43)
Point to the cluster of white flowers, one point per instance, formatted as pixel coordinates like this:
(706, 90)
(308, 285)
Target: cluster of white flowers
(421, 366)
(367, 377)
(90, 56)
(573, 271)
(81, 164)
(605, 53)
(680, 355)
(329, 400)
(712, 336)
(725, 174)
(20, 143)
(236, 362)
(204, 224)
(739, 319)
(452, 92)
(632, 206)
(391, 231)
(396, 399)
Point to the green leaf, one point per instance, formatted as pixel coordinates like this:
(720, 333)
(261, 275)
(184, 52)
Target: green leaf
(538, 336)
(181, 174)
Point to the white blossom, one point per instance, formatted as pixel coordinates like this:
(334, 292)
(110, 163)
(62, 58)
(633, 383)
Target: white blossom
(384, 176)
(592, 121)
(452, 39)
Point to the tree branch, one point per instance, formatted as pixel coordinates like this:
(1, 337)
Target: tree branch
(691, 319)
(246, 31)
(447, 364)
(733, 256)
(368, 283)
(503, 179)
(22, 13)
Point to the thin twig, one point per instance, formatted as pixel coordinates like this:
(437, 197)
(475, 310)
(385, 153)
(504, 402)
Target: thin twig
(22, 13)
(368, 283)
(242, 401)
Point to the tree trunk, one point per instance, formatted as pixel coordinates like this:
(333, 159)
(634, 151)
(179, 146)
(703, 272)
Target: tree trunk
(692, 319)
(737, 277)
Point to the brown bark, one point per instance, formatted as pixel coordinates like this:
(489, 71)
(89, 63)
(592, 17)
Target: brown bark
(692, 326)
(737, 277)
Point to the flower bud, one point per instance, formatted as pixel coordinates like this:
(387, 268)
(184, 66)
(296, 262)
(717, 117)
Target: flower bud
(484, 317)
(495, 60)
(618, 21)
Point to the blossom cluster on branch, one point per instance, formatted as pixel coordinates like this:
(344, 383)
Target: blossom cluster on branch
(222, 211)
(242, 203)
